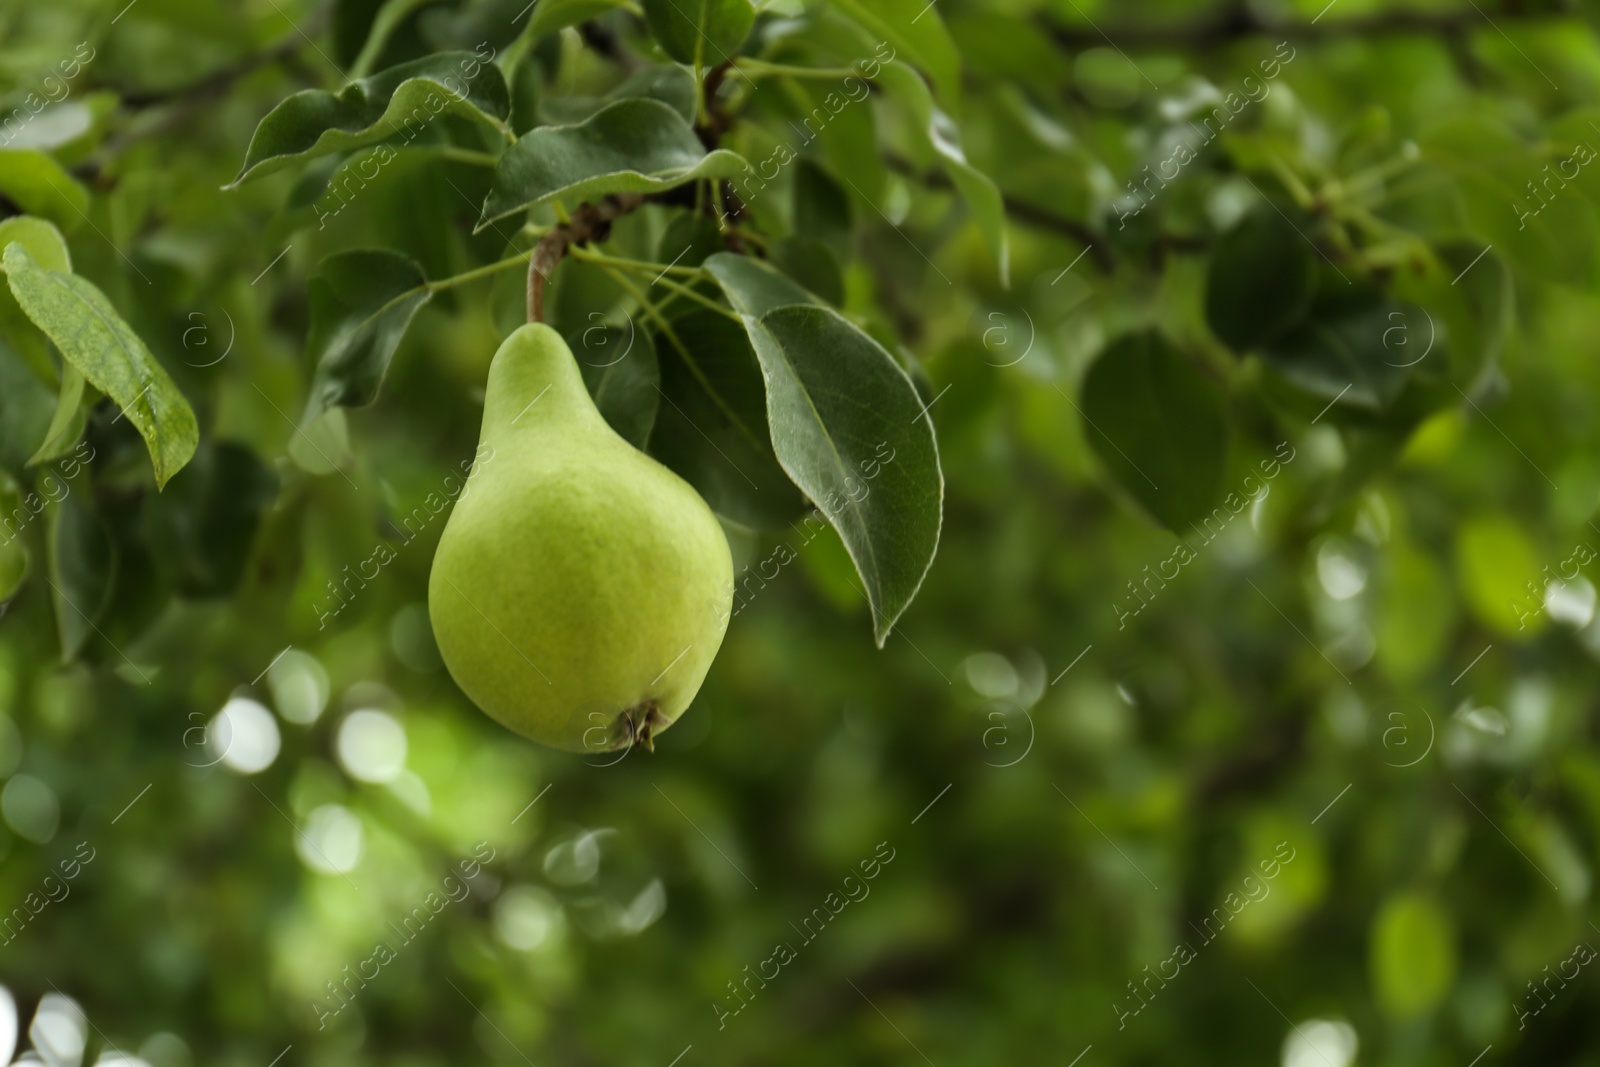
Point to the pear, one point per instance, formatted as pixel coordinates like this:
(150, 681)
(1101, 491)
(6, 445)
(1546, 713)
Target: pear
(580, 590)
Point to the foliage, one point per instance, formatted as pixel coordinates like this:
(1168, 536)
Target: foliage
(1157, 443)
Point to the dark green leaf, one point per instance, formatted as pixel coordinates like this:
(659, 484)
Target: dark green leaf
(839, 407)
(701, 33)
(631, 146)
(402, 100)
(712, 424)
(362, 302)
(851, 431)
(83, 566)
(1159, 426)
(1351, 348)
(1262, 277)
(66, 425)
(619, 366)
(753, 287)
(201, 529)
(92, 337)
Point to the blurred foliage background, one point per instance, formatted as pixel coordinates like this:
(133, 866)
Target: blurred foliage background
(1383, 668)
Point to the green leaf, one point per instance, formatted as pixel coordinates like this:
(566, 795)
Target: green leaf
(82, 559)
(810, 261)
(1412, 954)
(49, 249)
(388, 19)
(938, 134)
(92, 337)
(849, 428)
(1344, 350)
(701, 33)
(552, 15)
(66, 425)
(619, 366)
(38, 185)
(53, 127)
(753, 287)
(631, 146)
(201, 529)
(401, 100)
(711, 427)
(915, 33)
(1262, 277)
(362, 302)
(1159, 426)
(822, 209)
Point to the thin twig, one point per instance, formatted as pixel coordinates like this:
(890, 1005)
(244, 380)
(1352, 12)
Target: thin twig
(591, 222)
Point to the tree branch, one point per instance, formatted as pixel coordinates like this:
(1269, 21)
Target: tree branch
(591, 222)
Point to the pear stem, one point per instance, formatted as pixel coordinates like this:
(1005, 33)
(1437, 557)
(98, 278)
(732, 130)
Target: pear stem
(591, 222)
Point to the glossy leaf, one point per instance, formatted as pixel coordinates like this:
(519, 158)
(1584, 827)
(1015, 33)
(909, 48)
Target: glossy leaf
(872, 467)
(1159, 426)
(362, 302)
(398, 103)
(92, 337)
(631, 146)
(701, 33)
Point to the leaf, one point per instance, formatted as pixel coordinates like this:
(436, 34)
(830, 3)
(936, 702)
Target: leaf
(1159, 426)
(711, 427)
(388, 19)
(552, 15)
(811, 262)
(49, 249)
(631, 146)
(83, 565)
(38, 185)
(1261, 280)
(939, 135)
(92, 337)
(916, 34)
(362, 302)
(66, 425)
(54, 126)
(619, 367)
(1347, 350)
(753, 287)
(1413, 954)
(201, 529)
(849, 428)
(402, 99)
(701, 33)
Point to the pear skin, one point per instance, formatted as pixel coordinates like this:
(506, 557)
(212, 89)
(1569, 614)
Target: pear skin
(581, 589)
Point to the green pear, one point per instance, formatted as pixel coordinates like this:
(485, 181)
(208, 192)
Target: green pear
(581, 589)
